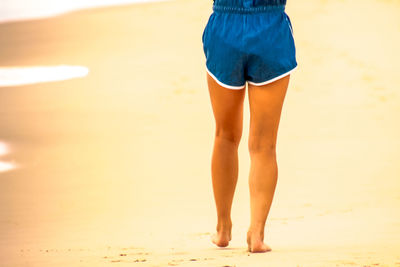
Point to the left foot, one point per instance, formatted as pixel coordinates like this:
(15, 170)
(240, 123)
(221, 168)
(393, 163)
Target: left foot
(223, 236)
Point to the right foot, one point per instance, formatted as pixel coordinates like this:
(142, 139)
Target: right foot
(255, 243)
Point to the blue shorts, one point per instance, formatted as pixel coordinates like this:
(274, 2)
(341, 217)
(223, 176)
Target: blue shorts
(248, 40)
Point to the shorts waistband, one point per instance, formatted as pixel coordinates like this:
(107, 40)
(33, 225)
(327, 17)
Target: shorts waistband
(248, 6)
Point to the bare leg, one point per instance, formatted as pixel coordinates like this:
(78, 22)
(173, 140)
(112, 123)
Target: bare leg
(227, 105)
(265, 110)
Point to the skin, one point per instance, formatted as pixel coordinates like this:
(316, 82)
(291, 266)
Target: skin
(265, 104)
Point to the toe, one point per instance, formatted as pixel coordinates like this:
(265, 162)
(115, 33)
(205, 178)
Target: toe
(214, 238)
(266, 248)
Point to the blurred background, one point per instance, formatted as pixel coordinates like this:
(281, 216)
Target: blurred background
(106, 135)
(17, 10)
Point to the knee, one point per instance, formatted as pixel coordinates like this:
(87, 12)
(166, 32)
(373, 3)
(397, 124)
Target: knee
(258, 145)
(230, 135)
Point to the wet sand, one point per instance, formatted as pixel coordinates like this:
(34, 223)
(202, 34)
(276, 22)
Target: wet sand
(114, 168)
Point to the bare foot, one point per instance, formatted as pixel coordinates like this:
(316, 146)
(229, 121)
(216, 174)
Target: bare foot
(255, 243)
(223, 236)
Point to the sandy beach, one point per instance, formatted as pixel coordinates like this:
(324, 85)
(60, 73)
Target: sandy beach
(113, 169)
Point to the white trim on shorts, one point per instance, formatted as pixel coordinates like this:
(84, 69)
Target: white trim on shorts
(274, 79)
(225, 85)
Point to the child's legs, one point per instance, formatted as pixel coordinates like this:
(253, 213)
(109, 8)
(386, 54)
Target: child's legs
(227, 106)
(265, 110)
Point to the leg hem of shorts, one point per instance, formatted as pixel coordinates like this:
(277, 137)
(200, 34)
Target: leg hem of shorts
(274, 79)
(225, 85)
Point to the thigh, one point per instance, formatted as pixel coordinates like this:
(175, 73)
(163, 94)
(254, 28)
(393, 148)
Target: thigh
(227, 106)
(266, 103)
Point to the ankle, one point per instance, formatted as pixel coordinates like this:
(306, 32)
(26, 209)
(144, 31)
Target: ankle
(256, 232)
(225, 224)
